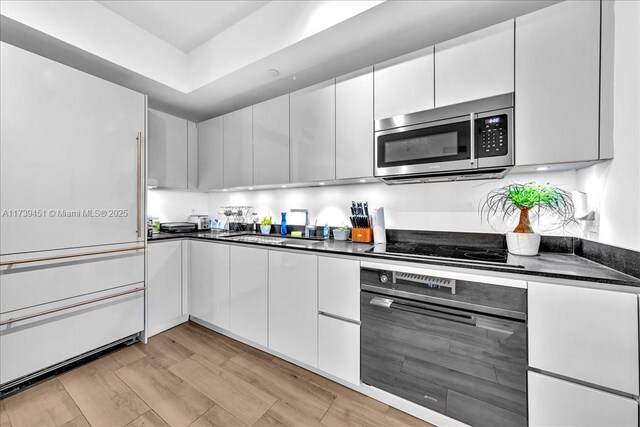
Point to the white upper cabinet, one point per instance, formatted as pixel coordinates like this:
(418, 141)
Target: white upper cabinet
(558, 84)
(293, 305)
(590, 335)
(404, 85)
(210, 161)
(313, 133)
(238, 148)
(167, 145)
(354, 125)
(192, 155)
(271, 141)
(476, 65)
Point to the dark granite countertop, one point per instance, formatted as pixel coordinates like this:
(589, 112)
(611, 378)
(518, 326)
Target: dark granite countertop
(319, 245)
(547, 264)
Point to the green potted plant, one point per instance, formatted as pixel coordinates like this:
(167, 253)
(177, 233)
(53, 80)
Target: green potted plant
(341, 233)
(520, 199)
(265, 225)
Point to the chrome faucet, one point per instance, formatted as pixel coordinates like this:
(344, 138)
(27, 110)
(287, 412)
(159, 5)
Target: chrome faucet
(306, 220)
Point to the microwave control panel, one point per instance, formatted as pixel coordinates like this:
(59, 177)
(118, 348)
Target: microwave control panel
(491, 133)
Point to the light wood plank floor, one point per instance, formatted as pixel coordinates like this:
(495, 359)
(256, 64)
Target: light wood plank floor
(191, 376)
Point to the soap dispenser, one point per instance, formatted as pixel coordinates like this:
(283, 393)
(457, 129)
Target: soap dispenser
(283, 224)
(325, 231)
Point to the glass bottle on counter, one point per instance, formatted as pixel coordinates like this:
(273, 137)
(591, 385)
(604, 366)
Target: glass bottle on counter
(283, 224)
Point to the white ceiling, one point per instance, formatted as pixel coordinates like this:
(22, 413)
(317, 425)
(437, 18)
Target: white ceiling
(307, 41)
(184, 24)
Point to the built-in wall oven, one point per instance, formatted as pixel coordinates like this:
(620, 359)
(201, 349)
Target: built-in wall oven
(455, 346)
(473, 140)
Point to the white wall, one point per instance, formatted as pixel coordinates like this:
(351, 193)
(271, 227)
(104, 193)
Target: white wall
(451, 206)
(614, 187)
(175, 206)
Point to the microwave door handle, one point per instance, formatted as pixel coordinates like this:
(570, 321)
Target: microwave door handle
(472, 148)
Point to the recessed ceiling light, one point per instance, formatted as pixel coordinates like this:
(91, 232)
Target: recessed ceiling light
(273, 72)
(542, 168)
(363, 180)
(294, 77)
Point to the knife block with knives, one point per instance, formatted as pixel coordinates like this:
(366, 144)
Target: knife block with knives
(363, 235)
(360, 222)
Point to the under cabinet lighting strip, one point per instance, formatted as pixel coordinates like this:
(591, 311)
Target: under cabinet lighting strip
(69, 306)
(50, 258)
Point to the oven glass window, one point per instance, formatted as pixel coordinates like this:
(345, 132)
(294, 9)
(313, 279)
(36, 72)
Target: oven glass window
(430, 144)
(424, 147)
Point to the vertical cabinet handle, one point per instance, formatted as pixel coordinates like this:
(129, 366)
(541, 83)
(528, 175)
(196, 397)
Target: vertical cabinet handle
(138, 187)
(472, 135)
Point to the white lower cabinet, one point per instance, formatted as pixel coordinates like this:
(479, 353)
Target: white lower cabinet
(164, 270)
(209, 282)
(339, 318)
(248, 293)
(293, 305)
(590, 335)
(69, 332)
(554, 402)
(339, 348)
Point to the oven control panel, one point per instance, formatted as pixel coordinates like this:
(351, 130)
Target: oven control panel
(491, 136)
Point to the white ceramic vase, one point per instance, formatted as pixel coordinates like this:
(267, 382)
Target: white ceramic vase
(526, 244)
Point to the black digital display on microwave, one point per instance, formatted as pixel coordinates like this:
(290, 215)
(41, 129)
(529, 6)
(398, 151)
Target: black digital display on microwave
(492, 136)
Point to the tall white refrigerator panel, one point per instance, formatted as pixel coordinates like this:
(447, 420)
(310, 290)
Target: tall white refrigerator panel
(71, 164)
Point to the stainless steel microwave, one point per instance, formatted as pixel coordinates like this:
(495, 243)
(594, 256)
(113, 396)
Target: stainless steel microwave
(473, 140)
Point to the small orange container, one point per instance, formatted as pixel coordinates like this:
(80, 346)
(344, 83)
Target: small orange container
(364, 235)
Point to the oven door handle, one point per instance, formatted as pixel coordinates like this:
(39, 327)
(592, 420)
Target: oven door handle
(453, 317)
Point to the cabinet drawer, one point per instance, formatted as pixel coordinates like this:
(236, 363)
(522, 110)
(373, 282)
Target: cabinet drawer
(37, 343)
(587, 334)
(339, 348)
(339, 287)
(554, 402)
(40, 283)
